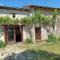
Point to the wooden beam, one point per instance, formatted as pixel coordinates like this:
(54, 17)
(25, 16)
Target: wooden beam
(5, 33)
(14, 34)
(21, 27)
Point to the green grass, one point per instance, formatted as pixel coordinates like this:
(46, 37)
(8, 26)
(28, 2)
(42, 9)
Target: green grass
(43, 51)
(52, 47)
(2, 44)
(39, 51)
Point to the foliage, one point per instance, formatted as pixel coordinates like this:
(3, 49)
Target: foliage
(38, 51)
(26, 21)
(53, 18)
(58, 38)
(2, 44)
(40, 18)
(15, 21)
(28, 40)
(8, 20)
(45, 21)
(51, 38)
(37, 17)
(5, 20)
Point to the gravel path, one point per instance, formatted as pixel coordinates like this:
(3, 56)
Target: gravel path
(10, 50)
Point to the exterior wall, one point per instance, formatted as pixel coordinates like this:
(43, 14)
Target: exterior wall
(26, 33)
(46, 13)
(33, 33)
(18, 14)
(57, 26)
(1, 34)
(44, 34)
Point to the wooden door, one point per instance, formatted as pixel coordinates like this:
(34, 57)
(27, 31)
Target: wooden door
(18, 33)
(10, 33)
(38, 33)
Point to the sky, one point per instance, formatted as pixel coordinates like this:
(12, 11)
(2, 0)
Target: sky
(21, 3)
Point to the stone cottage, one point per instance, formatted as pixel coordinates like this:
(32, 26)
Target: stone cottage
(18, 33)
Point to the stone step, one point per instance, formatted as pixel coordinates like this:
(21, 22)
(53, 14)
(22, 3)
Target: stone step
(38, 40)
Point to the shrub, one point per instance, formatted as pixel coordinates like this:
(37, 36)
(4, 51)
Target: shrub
(28, 40)
(2, 44)
(51, 38)
(58, 38)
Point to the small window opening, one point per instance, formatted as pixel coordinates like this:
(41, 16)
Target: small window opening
(13, 15)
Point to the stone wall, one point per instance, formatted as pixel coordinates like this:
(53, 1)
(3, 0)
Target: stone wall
(57, 26)
(1, 34)
(44, 34)
(26, 33)
(29, 33)
(18, 14)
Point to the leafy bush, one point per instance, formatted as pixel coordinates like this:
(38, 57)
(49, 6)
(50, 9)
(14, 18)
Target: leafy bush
(51, 38)
(28, 40)
(58, 38)
(2, 44)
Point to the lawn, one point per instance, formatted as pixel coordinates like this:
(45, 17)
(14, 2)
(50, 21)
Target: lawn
(38, 51)
(43, 51)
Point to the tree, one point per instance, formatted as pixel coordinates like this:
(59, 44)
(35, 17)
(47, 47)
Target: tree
(36, 18)
(39, 18)
(53, 18)
(5, 20)
(28, 22)
(8, 21)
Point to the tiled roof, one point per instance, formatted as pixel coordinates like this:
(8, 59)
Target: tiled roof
(13, 8)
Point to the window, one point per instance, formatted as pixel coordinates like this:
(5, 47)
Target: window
(13, 15)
